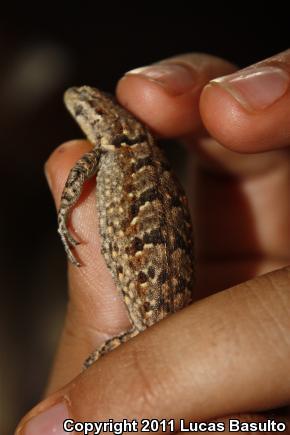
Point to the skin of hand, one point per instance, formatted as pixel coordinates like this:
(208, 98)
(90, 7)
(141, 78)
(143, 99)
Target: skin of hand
(228, 353)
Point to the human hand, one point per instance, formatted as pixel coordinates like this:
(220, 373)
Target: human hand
(226, 354)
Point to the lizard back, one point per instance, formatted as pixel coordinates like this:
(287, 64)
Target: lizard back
(145, 224)
(146, 231)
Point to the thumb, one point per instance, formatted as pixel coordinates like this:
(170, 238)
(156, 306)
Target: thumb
(248, 111)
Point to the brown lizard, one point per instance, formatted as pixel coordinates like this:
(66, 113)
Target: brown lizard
(145, 224)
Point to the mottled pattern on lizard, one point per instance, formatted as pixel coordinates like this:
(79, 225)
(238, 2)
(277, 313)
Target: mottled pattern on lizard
(145, 225)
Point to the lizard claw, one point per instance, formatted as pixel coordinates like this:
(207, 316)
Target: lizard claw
(68, 240)
(73, 242)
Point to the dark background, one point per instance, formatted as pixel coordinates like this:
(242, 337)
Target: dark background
(40, 57)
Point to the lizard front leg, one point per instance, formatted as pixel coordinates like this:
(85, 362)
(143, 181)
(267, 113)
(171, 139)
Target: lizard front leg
(84, 169)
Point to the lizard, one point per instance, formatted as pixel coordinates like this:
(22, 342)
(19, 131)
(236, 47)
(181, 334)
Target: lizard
(144, 219)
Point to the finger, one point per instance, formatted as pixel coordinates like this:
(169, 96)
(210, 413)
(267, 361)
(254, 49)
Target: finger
(249, 111)
(93, 315)
(165, 95)
(241, 214)
(227, 354)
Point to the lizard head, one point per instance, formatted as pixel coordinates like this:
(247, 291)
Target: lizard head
(102, 119)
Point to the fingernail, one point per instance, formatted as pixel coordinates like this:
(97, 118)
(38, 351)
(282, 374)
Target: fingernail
(176, 79)
(47, 422)
(256, 88)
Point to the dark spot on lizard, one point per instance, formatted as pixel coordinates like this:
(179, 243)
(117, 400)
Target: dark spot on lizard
(155, 236)
(147, 306)
(145, 161)
(151, 272)
(137, 245)
(181, 285)
(179, 242)
(128, 187)
(175, 202)
(95, 104)
(142, 277)
(79, 110)
(134, 209)
(163, 277)
(149, 195)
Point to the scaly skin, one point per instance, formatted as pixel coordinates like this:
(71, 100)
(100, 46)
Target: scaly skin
(145, 223)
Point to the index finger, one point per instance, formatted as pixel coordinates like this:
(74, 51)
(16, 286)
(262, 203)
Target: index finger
(217, 362)
(165, 95)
